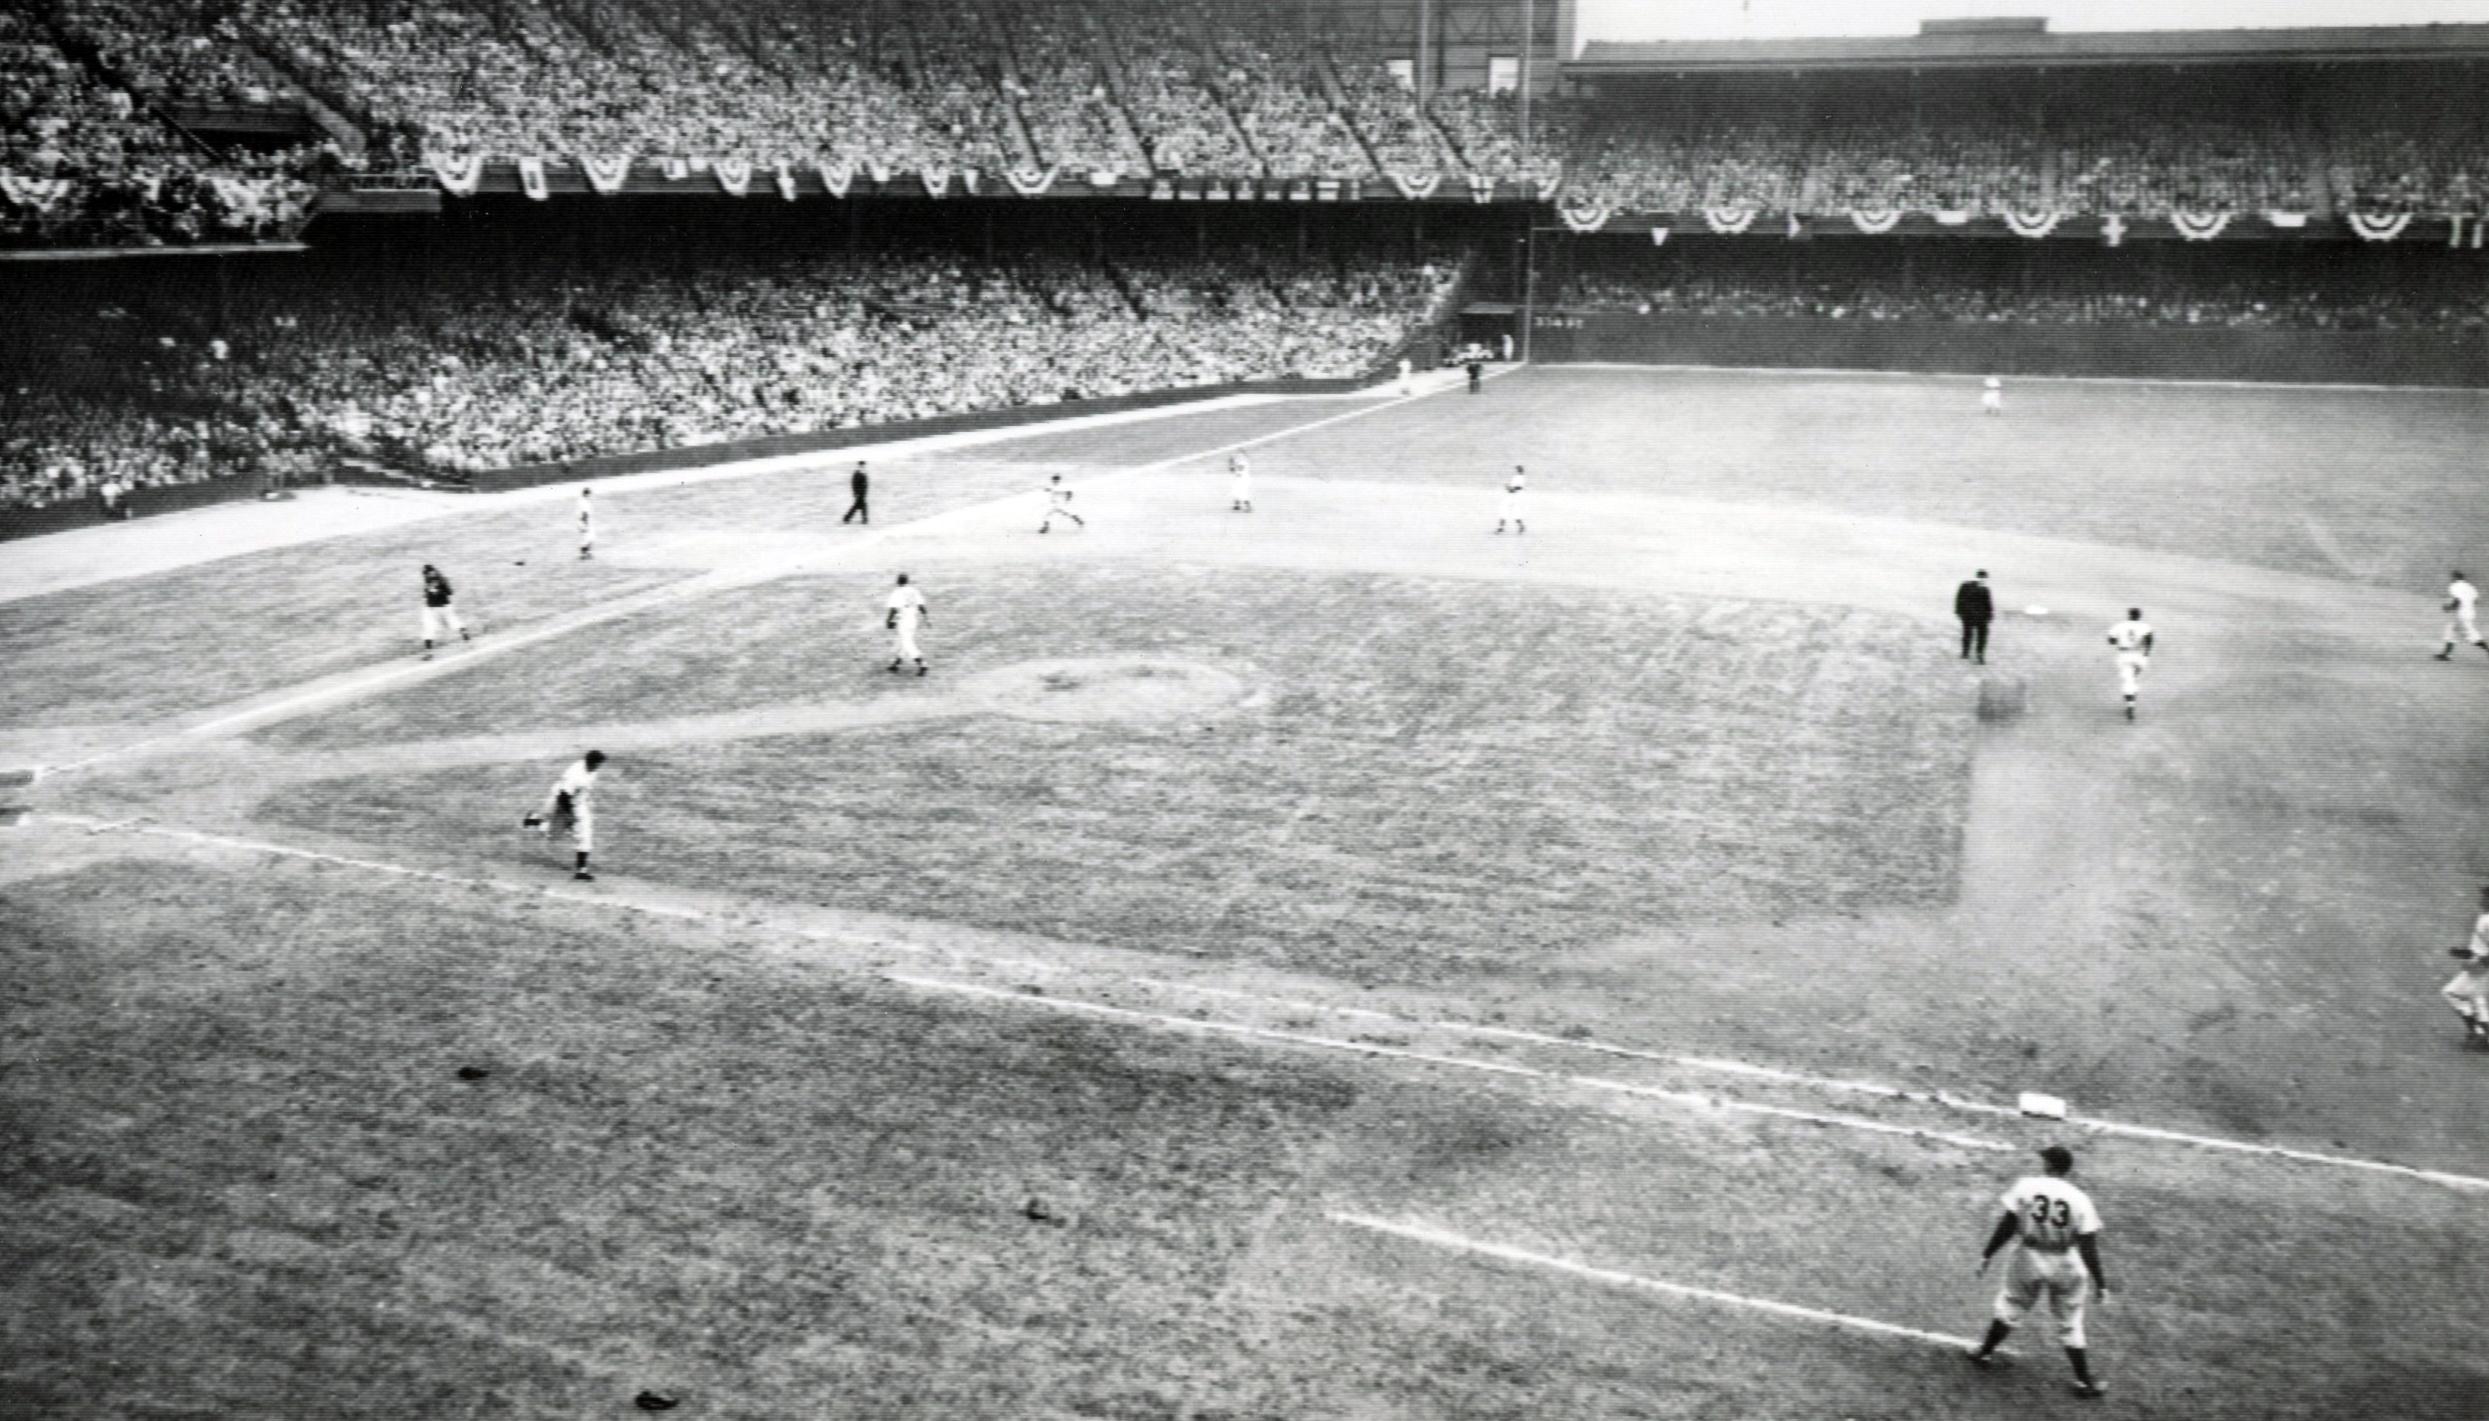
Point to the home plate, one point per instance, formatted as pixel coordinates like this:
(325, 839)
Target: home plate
(2047, 1107)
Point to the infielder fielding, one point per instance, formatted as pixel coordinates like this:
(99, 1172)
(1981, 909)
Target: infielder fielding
(1511, 511)
(906, 608)
(2469, 991)
(1059, 504)
(1239, 483)
(2133, 640)
(440, 610)
(571, 805)
(2462, 616)
(2057, 1264)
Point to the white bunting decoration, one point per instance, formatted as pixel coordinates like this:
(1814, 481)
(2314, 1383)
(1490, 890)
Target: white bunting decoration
(2032, 224)
(836, 179)
(734, 175)
(1417, 189)
(785, 179)
(461, 176)
(531, 179)
(2379, 227)
(1728, 221)
(1875, 221)
(1587, 217)
(937, 181)
(606, 175)
(2199, 226)
(2279, 218)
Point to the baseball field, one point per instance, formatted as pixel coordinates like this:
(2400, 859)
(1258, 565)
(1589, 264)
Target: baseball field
(1326, 961)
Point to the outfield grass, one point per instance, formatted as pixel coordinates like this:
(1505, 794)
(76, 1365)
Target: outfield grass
(2374, 487)
(1425, 779)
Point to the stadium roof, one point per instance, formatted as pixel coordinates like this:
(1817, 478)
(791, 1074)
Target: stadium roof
(2032, 49)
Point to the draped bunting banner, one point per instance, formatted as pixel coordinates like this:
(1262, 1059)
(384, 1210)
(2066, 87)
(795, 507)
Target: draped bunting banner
(677, 168)
(1875, 222)
(1728, 221)
(2379, 227)
(2286, 219)
(1951, 217)
(1215, 191)
(785, 179)
(1104, 177)
(606, 175)
(1162, 190)
(734, 175)
(2199, 226)
(1029, 182)
(836, 179)
(2032, 224)
(1547, 185)
(461, 176)
(1300, 191)
(40, 193)
(1481, 189)
(2113, 230)
(1586, 217)
(1329, 189)
(531, 179)
(1659, 236)
(2462, 231)
(1417, 189)
(879, 170)
(937, 181)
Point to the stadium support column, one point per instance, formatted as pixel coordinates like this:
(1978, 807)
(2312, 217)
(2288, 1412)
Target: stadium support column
(1529, 39)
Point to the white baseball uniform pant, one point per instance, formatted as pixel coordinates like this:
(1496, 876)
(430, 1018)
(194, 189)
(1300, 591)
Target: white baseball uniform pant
(2463, 627)
(562, 811)
(903, 642)
(2056, 1281)
(2469, 991)
(2130, 668)
(439, 622)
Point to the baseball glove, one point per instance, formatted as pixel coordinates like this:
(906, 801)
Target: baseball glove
(2463, 953)
(2448, 605)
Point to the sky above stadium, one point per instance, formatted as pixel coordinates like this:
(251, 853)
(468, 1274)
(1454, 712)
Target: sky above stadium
(1777, 19)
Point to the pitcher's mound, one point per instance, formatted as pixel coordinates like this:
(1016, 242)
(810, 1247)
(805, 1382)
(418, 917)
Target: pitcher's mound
(1108, 688)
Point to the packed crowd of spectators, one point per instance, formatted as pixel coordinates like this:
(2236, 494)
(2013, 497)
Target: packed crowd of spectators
(2276, 301)
(1166, 88)
(1267, 78)
(1485, 128)
(1403, 138)
(83, 162)
(1983, 168)
(2150, 166)
(482, 366)
(1674, 163)
(1063, 94)
(2403, 165)
(176, 51)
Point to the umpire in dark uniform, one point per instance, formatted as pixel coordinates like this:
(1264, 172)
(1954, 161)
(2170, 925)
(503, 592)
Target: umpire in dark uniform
(857, 484)
(1976, 609)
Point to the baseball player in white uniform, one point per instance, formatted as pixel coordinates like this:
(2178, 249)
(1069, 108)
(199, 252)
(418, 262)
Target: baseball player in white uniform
(1059, 504)
(2462, 616)
(1992, 396)
(2133, 640)
(2057, 1262)
(2469, 991)
(587, 526)
(1239, 483)
(906, 608)
(440, 611)
(1408, 387)
(1511, 511)
(571, 805)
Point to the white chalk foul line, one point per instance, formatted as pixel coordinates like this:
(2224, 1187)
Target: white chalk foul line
(1848, 372)
(1213, 1027)
(1446, 1239)
(2448, 1179)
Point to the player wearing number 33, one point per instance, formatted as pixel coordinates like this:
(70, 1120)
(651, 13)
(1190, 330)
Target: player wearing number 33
(2057, 1263)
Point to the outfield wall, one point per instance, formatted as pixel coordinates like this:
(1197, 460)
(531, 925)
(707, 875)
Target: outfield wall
(2170, 353)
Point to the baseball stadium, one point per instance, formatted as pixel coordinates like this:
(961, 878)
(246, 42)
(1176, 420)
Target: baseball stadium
(1141, 709)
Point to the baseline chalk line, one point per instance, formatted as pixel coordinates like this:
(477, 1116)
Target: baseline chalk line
(1457, 1243)
(2444, 1178)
